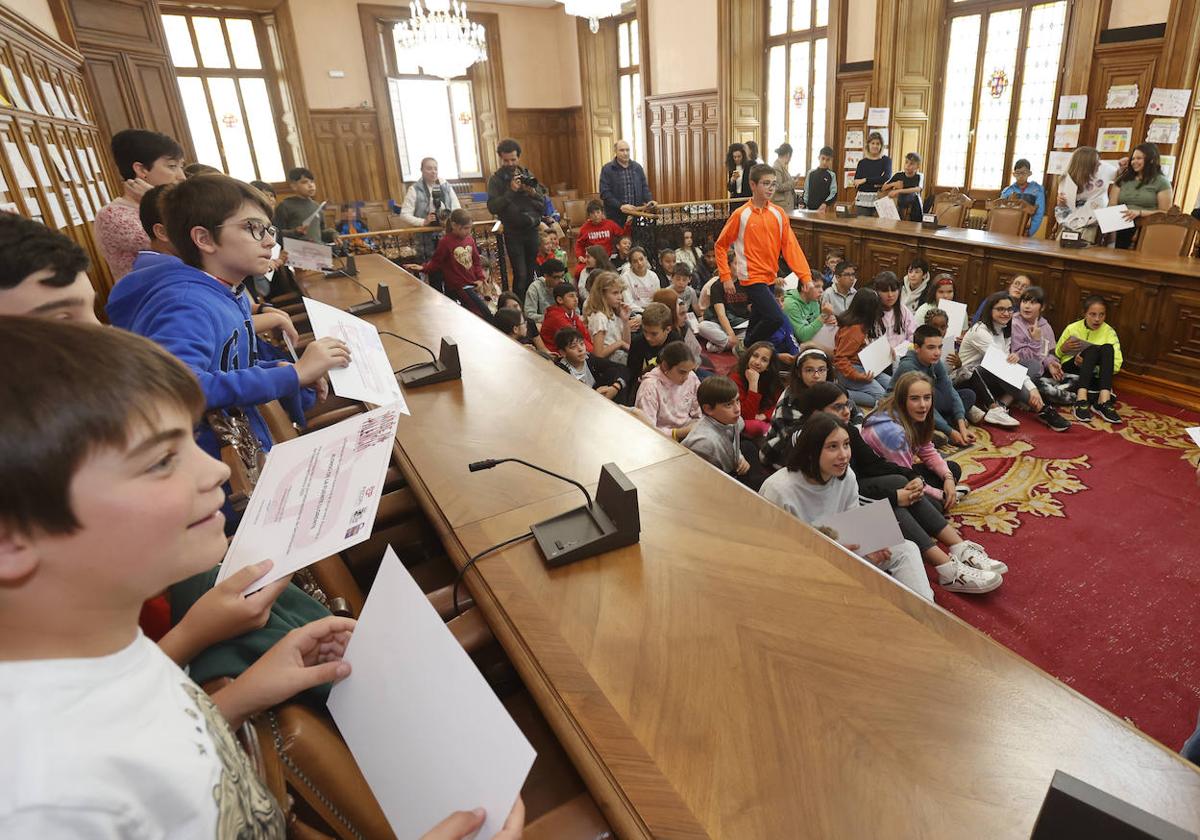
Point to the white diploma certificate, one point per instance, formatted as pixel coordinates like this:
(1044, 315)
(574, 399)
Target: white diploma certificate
(369, 375)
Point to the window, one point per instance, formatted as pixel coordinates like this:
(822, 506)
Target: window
(629, 81)
(797, 73)
(433, 117)
(1001, 78)
(231, 92)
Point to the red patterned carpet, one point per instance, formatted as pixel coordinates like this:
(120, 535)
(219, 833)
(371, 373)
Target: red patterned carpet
(1099, 529)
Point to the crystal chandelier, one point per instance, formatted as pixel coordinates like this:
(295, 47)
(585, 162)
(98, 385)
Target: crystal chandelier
(440, 38)
(593, 10)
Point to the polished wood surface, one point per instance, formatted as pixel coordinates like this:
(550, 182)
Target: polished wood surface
(548, 147)
(348, 158)
(735, 674)
(1153, 302)
(681, 128)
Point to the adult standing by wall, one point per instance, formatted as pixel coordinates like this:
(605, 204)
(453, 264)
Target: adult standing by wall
(519, 207)
(759, 234)
(785, 184)
(870, 175)
(623, 185)
(428, 202)
(737, 173)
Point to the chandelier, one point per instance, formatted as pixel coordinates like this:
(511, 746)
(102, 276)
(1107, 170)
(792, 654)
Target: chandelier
(593, 10)
(440, 38)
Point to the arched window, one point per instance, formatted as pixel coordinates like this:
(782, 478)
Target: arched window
(797, 72)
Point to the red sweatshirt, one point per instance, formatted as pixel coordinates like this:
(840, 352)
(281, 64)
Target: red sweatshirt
(604, 234)
(555, 319)
(458, 260)
(752, 401)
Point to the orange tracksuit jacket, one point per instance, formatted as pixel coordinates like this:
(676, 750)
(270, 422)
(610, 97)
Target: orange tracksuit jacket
(758, 238)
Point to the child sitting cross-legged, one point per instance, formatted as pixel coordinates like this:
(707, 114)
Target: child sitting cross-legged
(602, 376)
(966, 567)
(819, 483)
(667, 394)
(104, 736)
(1033, 342)
(564, 313)
(717, 435)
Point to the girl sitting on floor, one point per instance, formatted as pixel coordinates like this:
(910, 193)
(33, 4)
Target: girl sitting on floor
(1033, 344)
(994, 329)
(595, 260)
(1090, 348)
(607, 316)
(967, 567)
(901, 431)
(898, 324)
(812, 366)
(671, 299)
(667, 394)
(758, 383)
(939, 288)
(858, 326)
(818, 484)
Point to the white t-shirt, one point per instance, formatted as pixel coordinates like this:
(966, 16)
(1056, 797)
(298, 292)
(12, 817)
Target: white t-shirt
(122, 746)
(639, 291)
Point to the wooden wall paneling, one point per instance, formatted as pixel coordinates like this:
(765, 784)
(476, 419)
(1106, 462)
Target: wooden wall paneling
(601, 113)
(1120, 64)
(1180, 68)
(683, 153)
(348, 155)
(547, 138)
(851, 87)
(1180, 319)
(877, 257)
(1126, 299)
(967, 284)
(741, 71)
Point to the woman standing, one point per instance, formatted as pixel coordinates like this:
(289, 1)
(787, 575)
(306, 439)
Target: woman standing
(785, 184)
(737, 171)
(871, 174)
(1142, 188)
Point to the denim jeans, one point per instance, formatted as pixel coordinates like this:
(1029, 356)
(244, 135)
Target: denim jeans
(765, 315)
(866, 394)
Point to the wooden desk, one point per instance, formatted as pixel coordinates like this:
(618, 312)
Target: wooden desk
(1153, 303)
(735, 675)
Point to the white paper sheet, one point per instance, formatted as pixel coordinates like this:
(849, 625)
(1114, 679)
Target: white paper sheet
(1058, 163)
(826, 336)
(956, 316)
(1066, 136)
(878, 116)
(1072, 107)
(1122, 96)
(886, 208)
(369, 376)
(856, 110)
(316, 496)
(1194, 434)
(422, 723)
(275, 252)
(1110, 218)
(311, 256)
(854, 139)
(876, 356)
(996, 361)
(14, 90)
(20, 170)
(870, 527)
(1168, 102)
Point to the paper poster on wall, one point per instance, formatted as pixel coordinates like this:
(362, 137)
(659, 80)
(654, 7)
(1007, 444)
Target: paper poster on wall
(856, 110)
(852, 159)
(64, 174)
(14, 90)
(848, 180)
(20, 170)
(854, 139)
(32, 94)
(1163, 130)
(55, 211)
(1066, 136)
(1114, 139)
(1167, 162)
(52, 100)
(1072, 107)
(1168, 102)
(1122, 96)
(1058, 163)
(878, 116)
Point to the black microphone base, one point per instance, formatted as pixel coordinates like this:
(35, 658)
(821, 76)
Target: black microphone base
(611, 522)
(446, 368)
(370, 307)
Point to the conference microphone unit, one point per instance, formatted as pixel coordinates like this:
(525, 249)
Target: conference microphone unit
(611, 521)
(442, 369)
(381, 301)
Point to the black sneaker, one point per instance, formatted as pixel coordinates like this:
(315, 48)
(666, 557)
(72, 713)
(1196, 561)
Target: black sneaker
(1083, 411)
(1053, 419)
(1108, 410)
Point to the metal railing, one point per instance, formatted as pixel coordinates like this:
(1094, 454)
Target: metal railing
(664, 227)
(416, 244)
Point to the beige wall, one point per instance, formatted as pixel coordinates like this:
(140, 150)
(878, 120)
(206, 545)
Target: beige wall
(539, 51)
(683, 45)
(860, 30)
(1124, 13)
(36, 12)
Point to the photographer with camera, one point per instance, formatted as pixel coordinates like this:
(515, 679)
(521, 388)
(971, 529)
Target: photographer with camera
(429, 201)
(517, 199)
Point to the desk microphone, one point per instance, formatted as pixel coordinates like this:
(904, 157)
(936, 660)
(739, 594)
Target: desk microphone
(611, 521)
(443, 367)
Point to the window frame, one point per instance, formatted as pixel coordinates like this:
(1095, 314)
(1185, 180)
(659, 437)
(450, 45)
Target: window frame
(269, 72)
(985, 8)
(634, 70)
(786, 39)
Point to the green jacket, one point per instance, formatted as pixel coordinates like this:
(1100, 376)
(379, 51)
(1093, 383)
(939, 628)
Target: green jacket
(1104, 335)
(805, 315)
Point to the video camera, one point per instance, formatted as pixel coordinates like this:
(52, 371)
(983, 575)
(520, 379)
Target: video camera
(439, 208)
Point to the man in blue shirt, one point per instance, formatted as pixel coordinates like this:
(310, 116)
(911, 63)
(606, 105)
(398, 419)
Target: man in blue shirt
(1026, 190)
(622, 182)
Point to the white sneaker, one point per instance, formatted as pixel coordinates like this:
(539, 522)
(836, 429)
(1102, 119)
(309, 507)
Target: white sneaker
(973, 554)
(961, 490)
(999, 416)
(964, 579)
(975, 415)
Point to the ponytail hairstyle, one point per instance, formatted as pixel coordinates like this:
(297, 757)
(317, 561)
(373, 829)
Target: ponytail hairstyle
(458, 217)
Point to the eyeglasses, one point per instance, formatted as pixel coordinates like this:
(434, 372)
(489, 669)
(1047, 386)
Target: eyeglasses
(258, 230)
(842, 407)
(815, 371)
(1002, 309)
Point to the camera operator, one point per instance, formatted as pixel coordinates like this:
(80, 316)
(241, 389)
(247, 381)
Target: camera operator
(518, 201)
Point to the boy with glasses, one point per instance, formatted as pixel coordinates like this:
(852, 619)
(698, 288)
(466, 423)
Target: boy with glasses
(195, 308)
(841, 290)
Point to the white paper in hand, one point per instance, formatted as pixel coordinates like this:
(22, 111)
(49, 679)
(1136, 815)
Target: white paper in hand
(424, 726)
(870, 527)
(826, 336)
(369, 375)
(316, 495)
(876, 356)
(996, 361)
(1194, 434)
(1112, 218)
(274, 256)
(956, 316)
(309, 256)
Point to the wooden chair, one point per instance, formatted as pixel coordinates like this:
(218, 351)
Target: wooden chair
(377, 220)
(1170, 234)
(575, 210)
(951, 207)
(1008, 215)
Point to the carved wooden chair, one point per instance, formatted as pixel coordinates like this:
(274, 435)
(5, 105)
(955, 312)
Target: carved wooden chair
(1170, 234)
(951, 207)
(1008, 215)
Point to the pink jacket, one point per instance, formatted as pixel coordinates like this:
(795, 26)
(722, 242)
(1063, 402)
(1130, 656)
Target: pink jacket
(119, 236)
(668, 405)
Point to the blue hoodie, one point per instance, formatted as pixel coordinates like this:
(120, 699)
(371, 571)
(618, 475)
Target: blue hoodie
(207, 325)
